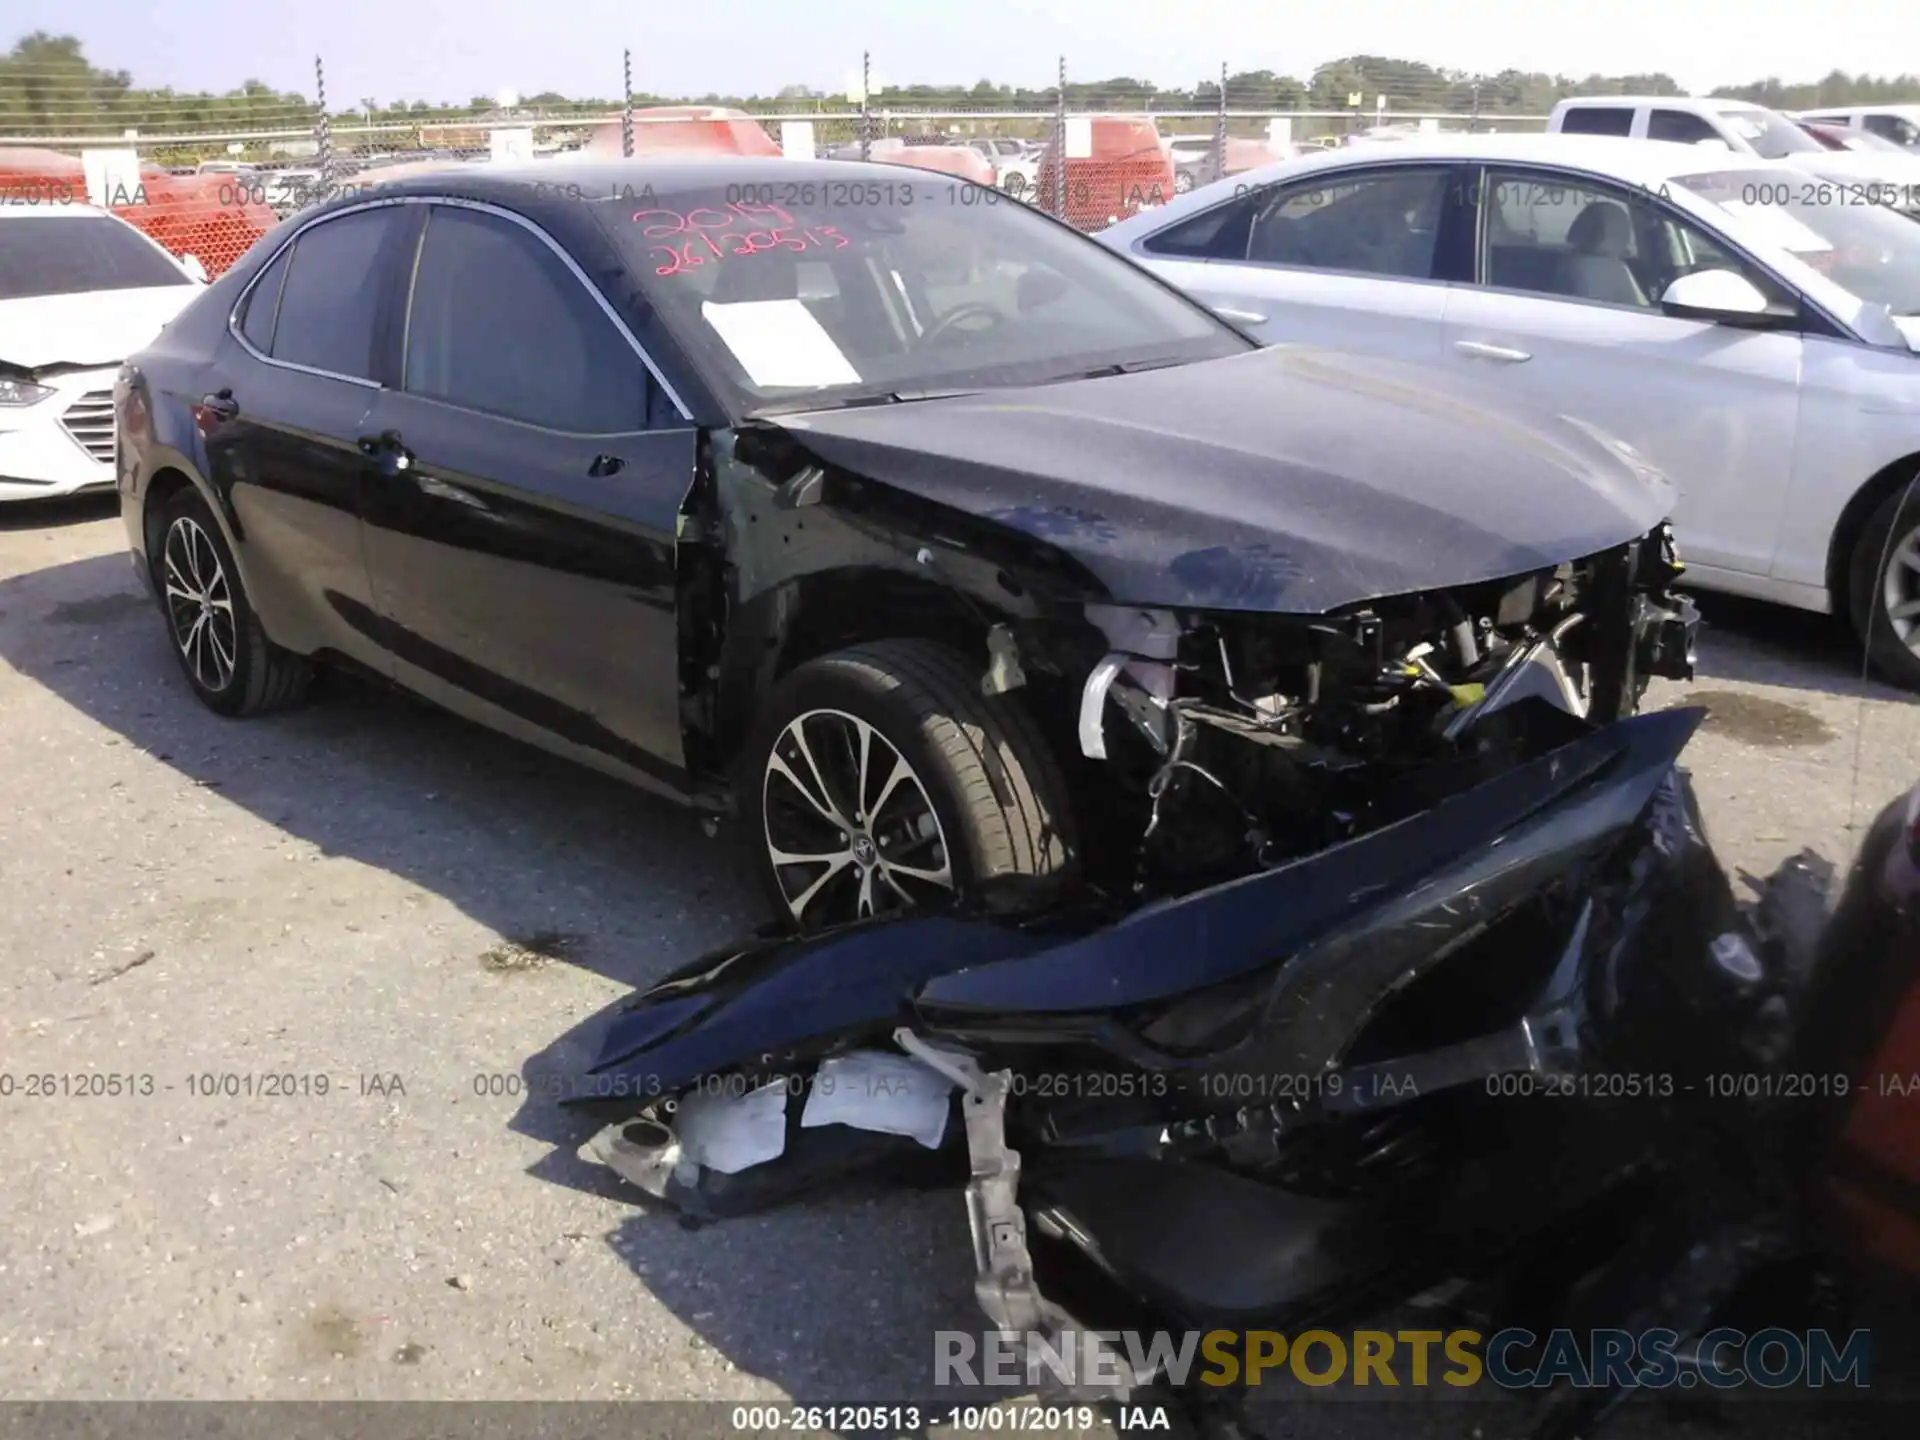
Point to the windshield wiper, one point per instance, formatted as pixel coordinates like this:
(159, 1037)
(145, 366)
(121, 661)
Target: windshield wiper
(1124, 367)
(861, 402)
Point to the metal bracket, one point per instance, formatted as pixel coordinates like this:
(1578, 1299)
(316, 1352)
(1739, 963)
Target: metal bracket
(1003, 666)
(1003, 1266)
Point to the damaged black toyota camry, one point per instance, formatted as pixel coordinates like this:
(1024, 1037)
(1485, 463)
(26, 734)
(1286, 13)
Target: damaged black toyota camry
(948, 552)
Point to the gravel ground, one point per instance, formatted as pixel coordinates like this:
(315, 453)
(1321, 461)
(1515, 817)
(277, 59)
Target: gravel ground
(375, 898)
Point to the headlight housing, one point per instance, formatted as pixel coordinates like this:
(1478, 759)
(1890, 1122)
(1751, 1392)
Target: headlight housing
(14, 391)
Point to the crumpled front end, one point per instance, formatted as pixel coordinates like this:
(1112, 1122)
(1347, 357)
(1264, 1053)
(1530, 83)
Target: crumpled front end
(757, 1072)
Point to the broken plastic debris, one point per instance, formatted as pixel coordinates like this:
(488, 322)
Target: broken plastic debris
(729, 1132)
(874, 1090)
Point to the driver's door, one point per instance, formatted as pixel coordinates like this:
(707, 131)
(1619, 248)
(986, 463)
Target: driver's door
(1565, 311)
(525, 481)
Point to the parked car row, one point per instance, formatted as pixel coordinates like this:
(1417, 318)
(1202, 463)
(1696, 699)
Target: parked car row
(1746, 327)
(80, 290)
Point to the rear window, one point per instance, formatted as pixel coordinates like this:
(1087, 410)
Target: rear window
(1597, 120)
(76, 254)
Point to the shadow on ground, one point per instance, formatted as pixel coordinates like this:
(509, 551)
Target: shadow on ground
(1752, 642)
(60, 513)
(506, 834)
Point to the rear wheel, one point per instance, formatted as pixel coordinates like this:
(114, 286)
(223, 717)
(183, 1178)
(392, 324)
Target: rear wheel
(217, 638)
(880, 779)
(1885, 588)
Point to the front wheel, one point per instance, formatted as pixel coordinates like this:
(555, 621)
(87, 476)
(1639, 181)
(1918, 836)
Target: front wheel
(880, 779)
(228, 660)
(1885, 589)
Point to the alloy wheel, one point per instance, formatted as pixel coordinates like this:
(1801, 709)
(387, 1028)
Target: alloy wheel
(1900, 588)
(199, 604)
(850, 828)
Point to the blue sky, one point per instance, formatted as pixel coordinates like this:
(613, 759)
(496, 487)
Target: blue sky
(409, 49)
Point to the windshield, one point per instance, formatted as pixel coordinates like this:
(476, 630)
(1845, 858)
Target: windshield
(1770, 135)
(73, 254)
(796, 295)
(1870, 250)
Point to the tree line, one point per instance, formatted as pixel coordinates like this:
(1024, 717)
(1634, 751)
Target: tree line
(47, 86)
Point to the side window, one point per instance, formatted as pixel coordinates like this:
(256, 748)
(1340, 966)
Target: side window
(328, 299)
(263, 305)
(498, 323)
(1681, 126)
(1551, 236)
(1381, 223)
(1893, 127)
(1597, 120)
(1217, 234)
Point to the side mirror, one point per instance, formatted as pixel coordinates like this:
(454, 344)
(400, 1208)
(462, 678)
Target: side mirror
(1723, 297)
(191, 264)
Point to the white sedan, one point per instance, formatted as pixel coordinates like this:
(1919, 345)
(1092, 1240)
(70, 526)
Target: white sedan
(80, 290)
(1740, 324)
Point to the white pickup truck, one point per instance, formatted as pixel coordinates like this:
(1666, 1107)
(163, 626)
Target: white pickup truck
(1744, 128)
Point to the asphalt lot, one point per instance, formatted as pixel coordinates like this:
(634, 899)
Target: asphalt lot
(423, 914)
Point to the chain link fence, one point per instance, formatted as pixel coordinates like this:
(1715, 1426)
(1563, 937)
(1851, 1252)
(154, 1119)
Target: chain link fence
(208, 175)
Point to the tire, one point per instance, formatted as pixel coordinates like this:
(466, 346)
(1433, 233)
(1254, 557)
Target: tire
(1884, 579)
(980, 804)
(227, 658)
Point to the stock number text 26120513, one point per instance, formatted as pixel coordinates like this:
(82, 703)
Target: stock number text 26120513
(683, 240)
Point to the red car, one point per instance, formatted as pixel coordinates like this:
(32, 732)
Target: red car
(1128, 170)
(1862, 1022)
(1840, 137)
(686, 129)
(215, 217)
(960, 161)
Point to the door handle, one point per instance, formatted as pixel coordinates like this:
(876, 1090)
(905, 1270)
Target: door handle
(1483, 351)
(1239, 317)
(386, 448)
(605, 465)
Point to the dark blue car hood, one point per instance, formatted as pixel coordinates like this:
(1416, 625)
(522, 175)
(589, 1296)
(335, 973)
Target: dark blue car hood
(1287, 479)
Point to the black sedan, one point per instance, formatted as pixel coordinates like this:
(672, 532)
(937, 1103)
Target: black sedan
(935, 542)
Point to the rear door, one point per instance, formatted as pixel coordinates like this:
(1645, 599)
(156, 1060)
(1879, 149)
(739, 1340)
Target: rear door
(528, 476)
(295, 383)
(1354, 259)
(1566, 312)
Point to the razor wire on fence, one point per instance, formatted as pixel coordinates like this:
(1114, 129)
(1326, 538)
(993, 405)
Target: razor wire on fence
(208, 175)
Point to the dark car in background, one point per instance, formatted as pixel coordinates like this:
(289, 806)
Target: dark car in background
(936, 542)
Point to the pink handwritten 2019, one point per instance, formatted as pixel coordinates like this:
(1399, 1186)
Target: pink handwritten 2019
(723, 232)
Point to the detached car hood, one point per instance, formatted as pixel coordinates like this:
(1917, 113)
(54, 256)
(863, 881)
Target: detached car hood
(100, 327)
(1287, 479)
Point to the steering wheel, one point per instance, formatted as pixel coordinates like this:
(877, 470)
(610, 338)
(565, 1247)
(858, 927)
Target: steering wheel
(966, 310)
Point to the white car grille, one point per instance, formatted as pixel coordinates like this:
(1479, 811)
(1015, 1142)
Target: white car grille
(89, 420)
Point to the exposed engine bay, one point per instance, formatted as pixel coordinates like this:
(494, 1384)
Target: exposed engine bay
(1203, 740)
(1244, 741)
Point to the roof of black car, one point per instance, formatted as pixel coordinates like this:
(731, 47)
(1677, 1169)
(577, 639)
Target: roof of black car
(588, 179)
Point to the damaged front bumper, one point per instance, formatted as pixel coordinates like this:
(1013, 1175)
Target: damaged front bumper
(771, 1069)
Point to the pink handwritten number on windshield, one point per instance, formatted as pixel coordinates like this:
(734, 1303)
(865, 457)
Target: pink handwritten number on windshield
(741, 228)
